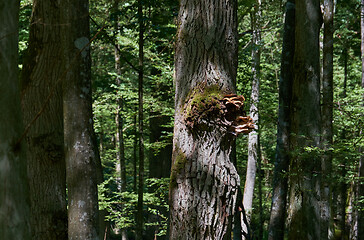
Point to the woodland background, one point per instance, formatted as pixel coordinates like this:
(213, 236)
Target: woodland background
(136, 162)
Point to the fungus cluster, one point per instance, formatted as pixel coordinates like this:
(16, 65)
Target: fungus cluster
(236, 119)
(212, 110)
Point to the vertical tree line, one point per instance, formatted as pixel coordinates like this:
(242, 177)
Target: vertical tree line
(14, 197)
(163, 65)
(41, 77)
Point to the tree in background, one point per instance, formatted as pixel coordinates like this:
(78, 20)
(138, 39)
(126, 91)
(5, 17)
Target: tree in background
(281, 164)
(42, 73)
(140, 215)
(327, 118)
(14, 195)
(204, 181)
(80, 147)
(119, 118)
(360, 187)
(305, 167)
(253, 141)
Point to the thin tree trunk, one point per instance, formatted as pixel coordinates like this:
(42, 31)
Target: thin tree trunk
(41, 75)
(80, 147)
(260, 196)
(14, 195)
(135, 147)
(281, 165)
(140, 215)
(343, 185)
(360, 188)
(119, 138)
(327, 118)
(305, 166)
(204, 181)
(253, 139)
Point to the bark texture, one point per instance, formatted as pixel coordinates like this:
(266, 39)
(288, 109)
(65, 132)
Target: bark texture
(282, 158)
(41, 76)
(80, 146)
(14, 198)
(305, 167)
(204, 181)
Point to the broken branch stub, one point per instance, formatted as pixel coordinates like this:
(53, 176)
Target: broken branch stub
(227, 112)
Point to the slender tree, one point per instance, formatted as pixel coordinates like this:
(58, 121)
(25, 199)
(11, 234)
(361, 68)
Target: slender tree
(42, 93)
(119, 136)
(305, 165)
(80, 146)
(14, 195)
(253, 139)
(140, 215)
(327, 116)
(204, 181)
(360, 190)
(282, 158)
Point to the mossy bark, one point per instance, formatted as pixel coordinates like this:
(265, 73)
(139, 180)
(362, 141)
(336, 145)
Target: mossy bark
(204, 181)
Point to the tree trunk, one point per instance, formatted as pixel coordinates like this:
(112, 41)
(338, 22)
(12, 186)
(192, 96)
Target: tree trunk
(327, 118)
(253, 139)
(305, 168)
(42, 72)
(281, 165)
(119, 138)
(343, 188)
(160, 159)
(204, 181)
(80, 147)
(360, 189)
(135, 147)
(14, 195)
(140, 215)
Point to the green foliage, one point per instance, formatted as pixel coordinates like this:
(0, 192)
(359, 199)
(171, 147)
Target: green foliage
(121, 31)
(121, 206)
(24, 23)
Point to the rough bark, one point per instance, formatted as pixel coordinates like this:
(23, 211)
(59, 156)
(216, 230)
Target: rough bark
(327, 117)
(41, 76)
(281, 164)
(253, 138)
(80, 146)
(140, 215)
(14, 195)
(305, 167)
(204, 182)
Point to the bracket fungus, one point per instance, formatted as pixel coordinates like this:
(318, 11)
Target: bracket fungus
(227, 112)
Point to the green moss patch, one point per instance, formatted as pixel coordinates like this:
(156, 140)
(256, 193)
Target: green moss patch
(179, 164)
(203, 104)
